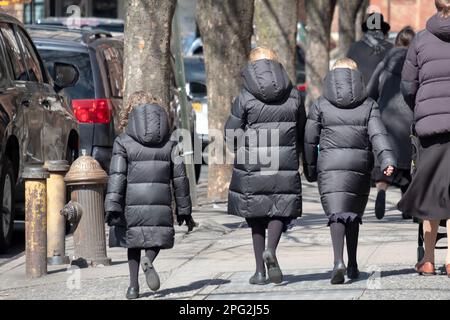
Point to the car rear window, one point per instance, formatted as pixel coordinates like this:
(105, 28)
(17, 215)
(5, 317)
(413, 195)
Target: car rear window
(113, 59)
(84, 88)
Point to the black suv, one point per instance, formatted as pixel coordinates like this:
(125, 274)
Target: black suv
(36, 124)
(96, 98)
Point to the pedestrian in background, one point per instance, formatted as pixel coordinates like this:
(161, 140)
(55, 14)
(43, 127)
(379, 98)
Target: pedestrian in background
(138, 202)
(268, 198)
(397, 117)
(373, 47)
(344, 123)
(425, 86)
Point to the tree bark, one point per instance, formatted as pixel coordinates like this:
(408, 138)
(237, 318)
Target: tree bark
(360, 17)
(319, 18)
(226, 28)
(348, 11)
(276, 28)
(147, 67)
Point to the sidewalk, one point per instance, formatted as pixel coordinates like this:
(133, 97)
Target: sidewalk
(216, 260)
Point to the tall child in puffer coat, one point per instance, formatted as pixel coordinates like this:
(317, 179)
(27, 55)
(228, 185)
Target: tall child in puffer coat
(342, 128)
(144, 166)
(267, 118)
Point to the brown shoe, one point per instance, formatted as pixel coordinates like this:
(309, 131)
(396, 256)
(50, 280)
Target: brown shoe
(447, 268)
(426, 269)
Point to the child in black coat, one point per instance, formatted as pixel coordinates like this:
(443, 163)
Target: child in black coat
(342, 128)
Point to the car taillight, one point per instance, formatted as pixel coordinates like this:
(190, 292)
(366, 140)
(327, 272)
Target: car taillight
(302, 87)
(92, 110)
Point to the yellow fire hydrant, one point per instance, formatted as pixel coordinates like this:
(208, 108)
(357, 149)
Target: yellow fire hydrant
(86, 181)
(35, 220)
(56, 223)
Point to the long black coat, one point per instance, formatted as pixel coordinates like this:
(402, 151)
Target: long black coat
(384, 87)
(346, 125)
(369, 52)
(140, 179)
(268, 104)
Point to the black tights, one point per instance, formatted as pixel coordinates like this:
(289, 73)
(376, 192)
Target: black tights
(275, 229)
(134, 259)
(350, 231)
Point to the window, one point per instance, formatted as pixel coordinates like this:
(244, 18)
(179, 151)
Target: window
(114, 70)
(13, 50)
(31, 59)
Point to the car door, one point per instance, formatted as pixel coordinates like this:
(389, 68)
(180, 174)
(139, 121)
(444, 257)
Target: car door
(54, 131)
(28, 119)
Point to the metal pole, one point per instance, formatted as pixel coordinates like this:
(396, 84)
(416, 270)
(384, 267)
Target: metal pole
(185, 109)
(35, 221)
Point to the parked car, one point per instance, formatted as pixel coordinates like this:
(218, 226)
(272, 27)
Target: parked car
(114, 26)
(36, 123)
(96, 98)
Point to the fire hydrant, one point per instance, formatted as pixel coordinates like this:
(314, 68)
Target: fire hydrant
(86, 181)
(56, 224)
(35, 220)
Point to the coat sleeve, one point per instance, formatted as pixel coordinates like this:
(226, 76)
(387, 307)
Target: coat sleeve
(410, 76)
(117, 183)
(235, 125)
(380, 141)
(312, 138)
(373, 87)
(301, 123)
(180, 184)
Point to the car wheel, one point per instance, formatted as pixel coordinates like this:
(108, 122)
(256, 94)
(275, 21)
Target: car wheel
(7, 201)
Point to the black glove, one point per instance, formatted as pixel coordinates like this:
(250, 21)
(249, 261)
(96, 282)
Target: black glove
(116, 219)
(190, 223)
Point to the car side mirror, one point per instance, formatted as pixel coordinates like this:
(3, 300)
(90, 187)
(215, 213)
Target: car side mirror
(65, 75)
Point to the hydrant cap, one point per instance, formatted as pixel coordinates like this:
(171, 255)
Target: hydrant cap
(57, 166)
(86, 170)
(35, 172)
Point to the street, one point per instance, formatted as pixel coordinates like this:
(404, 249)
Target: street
(216, 260)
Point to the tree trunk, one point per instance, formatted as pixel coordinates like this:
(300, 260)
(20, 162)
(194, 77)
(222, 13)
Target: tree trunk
(147, 66)
(276, 28)
(319, 18)
(348, 11)
(360, 17)
(226, 28)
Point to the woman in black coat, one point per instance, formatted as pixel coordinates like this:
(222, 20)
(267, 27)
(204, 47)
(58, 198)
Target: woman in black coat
(384, 87)
(267, 121)
(342, 129)
(139, 197)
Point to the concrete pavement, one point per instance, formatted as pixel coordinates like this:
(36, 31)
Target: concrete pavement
(216, 260)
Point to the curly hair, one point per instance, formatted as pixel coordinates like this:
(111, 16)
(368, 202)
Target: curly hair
(137, 98)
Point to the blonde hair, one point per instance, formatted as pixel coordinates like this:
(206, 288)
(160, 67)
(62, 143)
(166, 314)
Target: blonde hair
(260, 53)
(137, 98)
(345, 63)
(443, 7)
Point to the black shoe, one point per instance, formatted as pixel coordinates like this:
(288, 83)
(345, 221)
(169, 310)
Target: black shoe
(380, 204)
(338, 274)
(150, 274)
(132, 293)
(353, 273)
(258, 278)
(273, 268)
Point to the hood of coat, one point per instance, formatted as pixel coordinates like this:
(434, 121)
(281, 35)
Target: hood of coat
(440, 27)
(396, 59)
(344, 88)
(148, 124)
(267, 80)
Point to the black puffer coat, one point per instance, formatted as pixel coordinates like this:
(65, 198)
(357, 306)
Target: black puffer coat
(384, 87)
(346, 124)
(140, 179)
(268, 103)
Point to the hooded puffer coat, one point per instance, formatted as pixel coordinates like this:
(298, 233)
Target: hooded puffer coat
(144, 166)
(384, 87)
(346, 124)
(268, 105)
(426, 78)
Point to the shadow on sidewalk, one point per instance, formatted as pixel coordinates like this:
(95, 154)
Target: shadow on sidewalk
(191, 287)
(291, 279)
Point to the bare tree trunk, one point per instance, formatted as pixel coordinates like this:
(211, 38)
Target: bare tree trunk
(360, 17)
(319, 18)
(348, 11)
(226, 29)
(147, 66)
(276, 28)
